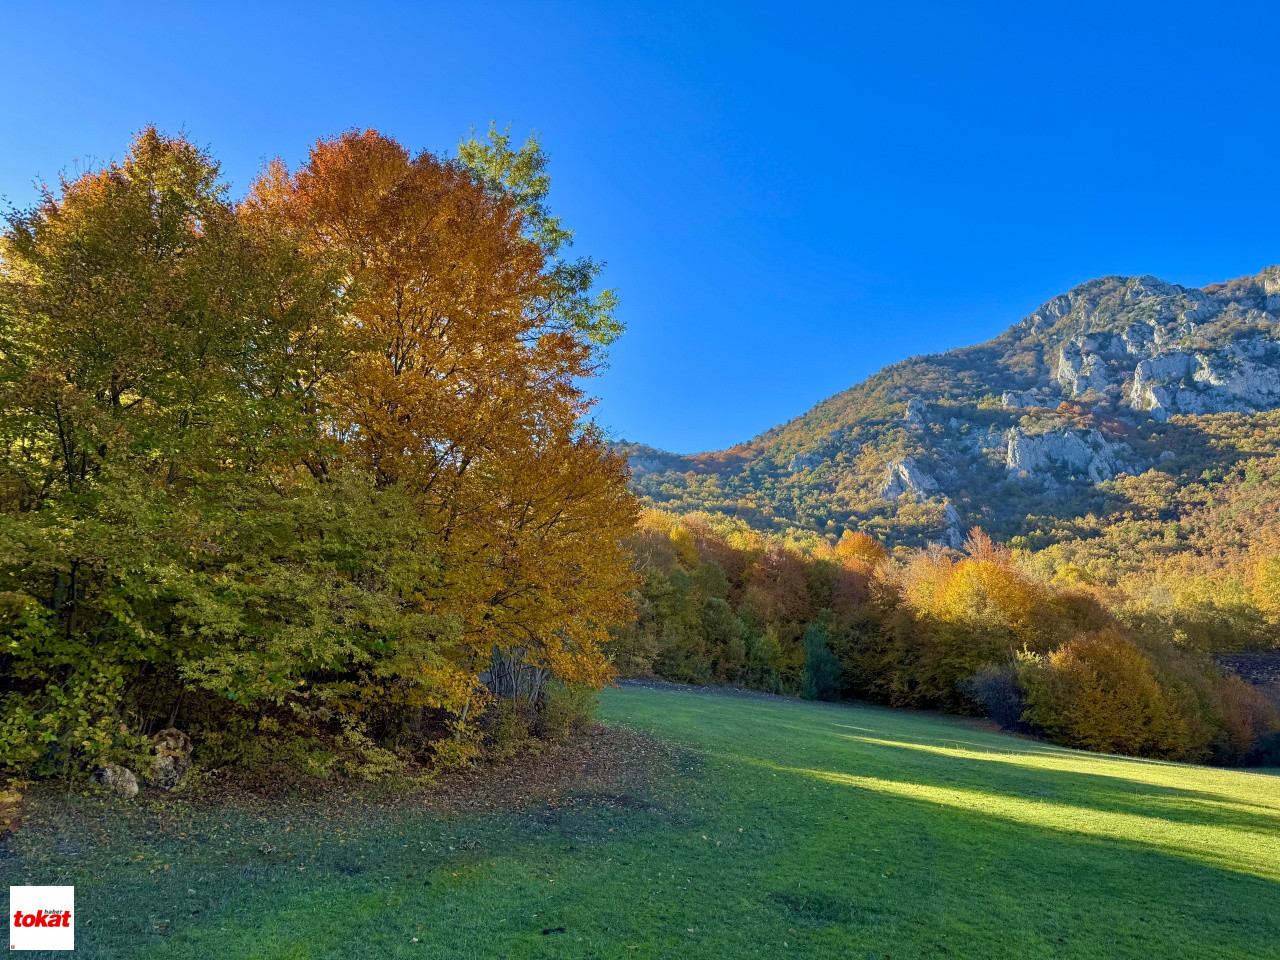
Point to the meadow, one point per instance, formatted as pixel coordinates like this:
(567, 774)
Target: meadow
(773, 828)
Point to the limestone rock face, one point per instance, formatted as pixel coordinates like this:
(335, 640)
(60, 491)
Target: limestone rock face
(989, 441)
(901, 476)
(1243, 376)
(954, 536)
(118, 780)
(1084, 363)
(1162, 349)
(1023, 400)
(1078, 452)
(915, 412)
(172, 759)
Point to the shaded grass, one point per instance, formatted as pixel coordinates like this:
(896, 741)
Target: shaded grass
(787, 829)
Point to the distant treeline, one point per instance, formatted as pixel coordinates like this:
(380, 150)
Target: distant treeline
(980, 631)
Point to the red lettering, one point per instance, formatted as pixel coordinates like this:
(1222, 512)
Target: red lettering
(60, 918)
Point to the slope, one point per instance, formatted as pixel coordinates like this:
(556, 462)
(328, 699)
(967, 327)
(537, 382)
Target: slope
(791, 829)
(1118, 377)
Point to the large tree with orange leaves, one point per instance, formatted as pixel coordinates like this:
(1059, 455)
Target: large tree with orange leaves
(318, 459)
(464, 393)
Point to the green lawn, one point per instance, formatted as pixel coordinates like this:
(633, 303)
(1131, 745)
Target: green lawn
(787, 829)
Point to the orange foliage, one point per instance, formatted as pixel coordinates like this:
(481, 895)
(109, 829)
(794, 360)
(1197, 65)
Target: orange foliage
(464, 394)
(1098, 692)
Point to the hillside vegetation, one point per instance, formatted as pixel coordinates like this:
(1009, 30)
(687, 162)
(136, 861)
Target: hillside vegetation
(980, 630)
(1060, 528)
(786, 829)
(1024, 435)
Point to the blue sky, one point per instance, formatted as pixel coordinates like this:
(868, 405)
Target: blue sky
(789, 196)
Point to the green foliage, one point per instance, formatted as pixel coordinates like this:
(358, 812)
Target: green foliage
(568, 710)
(522, 175)
(821, 667)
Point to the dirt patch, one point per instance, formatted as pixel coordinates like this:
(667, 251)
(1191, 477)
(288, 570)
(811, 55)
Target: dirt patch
(607, 766)
(608, 763)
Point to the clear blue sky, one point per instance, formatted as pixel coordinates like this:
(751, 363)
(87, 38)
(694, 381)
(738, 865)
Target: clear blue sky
(789, 196)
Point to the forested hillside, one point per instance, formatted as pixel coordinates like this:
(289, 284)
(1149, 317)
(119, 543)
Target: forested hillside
(1065, 528)
(1024, 435)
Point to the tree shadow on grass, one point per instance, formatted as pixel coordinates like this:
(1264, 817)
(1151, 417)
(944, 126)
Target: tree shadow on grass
(975, 882)
(1224, 833)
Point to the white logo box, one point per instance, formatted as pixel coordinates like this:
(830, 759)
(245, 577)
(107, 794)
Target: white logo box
(42, 918)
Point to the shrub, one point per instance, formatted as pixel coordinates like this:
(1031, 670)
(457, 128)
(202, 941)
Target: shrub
(995, 688)
(821, 668)
(568, 710)
(457, 751)
(510, 729)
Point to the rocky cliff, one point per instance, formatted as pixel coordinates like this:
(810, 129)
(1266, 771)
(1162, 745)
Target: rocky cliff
(1103, 381)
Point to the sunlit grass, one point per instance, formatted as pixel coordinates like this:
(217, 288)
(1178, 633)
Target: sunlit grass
(1248, 851)
(791, 829)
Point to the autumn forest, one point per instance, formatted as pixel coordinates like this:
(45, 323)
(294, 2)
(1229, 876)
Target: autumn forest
(311, 475)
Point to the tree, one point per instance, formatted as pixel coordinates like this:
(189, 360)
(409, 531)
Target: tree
(464, 392)
(821, 668)
(1266, 586)
(521, 174)
(163, 544)
(1097, 692)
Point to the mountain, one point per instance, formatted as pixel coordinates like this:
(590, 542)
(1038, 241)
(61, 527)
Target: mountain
(1050, 432)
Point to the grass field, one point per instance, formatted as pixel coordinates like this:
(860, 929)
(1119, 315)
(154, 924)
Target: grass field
(784, 829)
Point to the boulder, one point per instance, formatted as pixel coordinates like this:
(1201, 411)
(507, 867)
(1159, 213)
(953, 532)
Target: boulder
(172, 759)
(117, 780)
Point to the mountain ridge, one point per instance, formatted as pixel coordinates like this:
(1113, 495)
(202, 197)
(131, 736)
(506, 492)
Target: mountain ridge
(1106, 380)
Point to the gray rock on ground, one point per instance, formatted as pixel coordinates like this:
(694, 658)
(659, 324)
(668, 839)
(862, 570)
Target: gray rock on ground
(117, 780)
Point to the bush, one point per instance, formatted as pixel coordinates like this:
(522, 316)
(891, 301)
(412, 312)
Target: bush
(821, 668)
(995, 688)
(510, 729)
(568, 710)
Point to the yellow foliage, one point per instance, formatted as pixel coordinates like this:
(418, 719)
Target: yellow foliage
(1098, 692)
(1266, 585)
